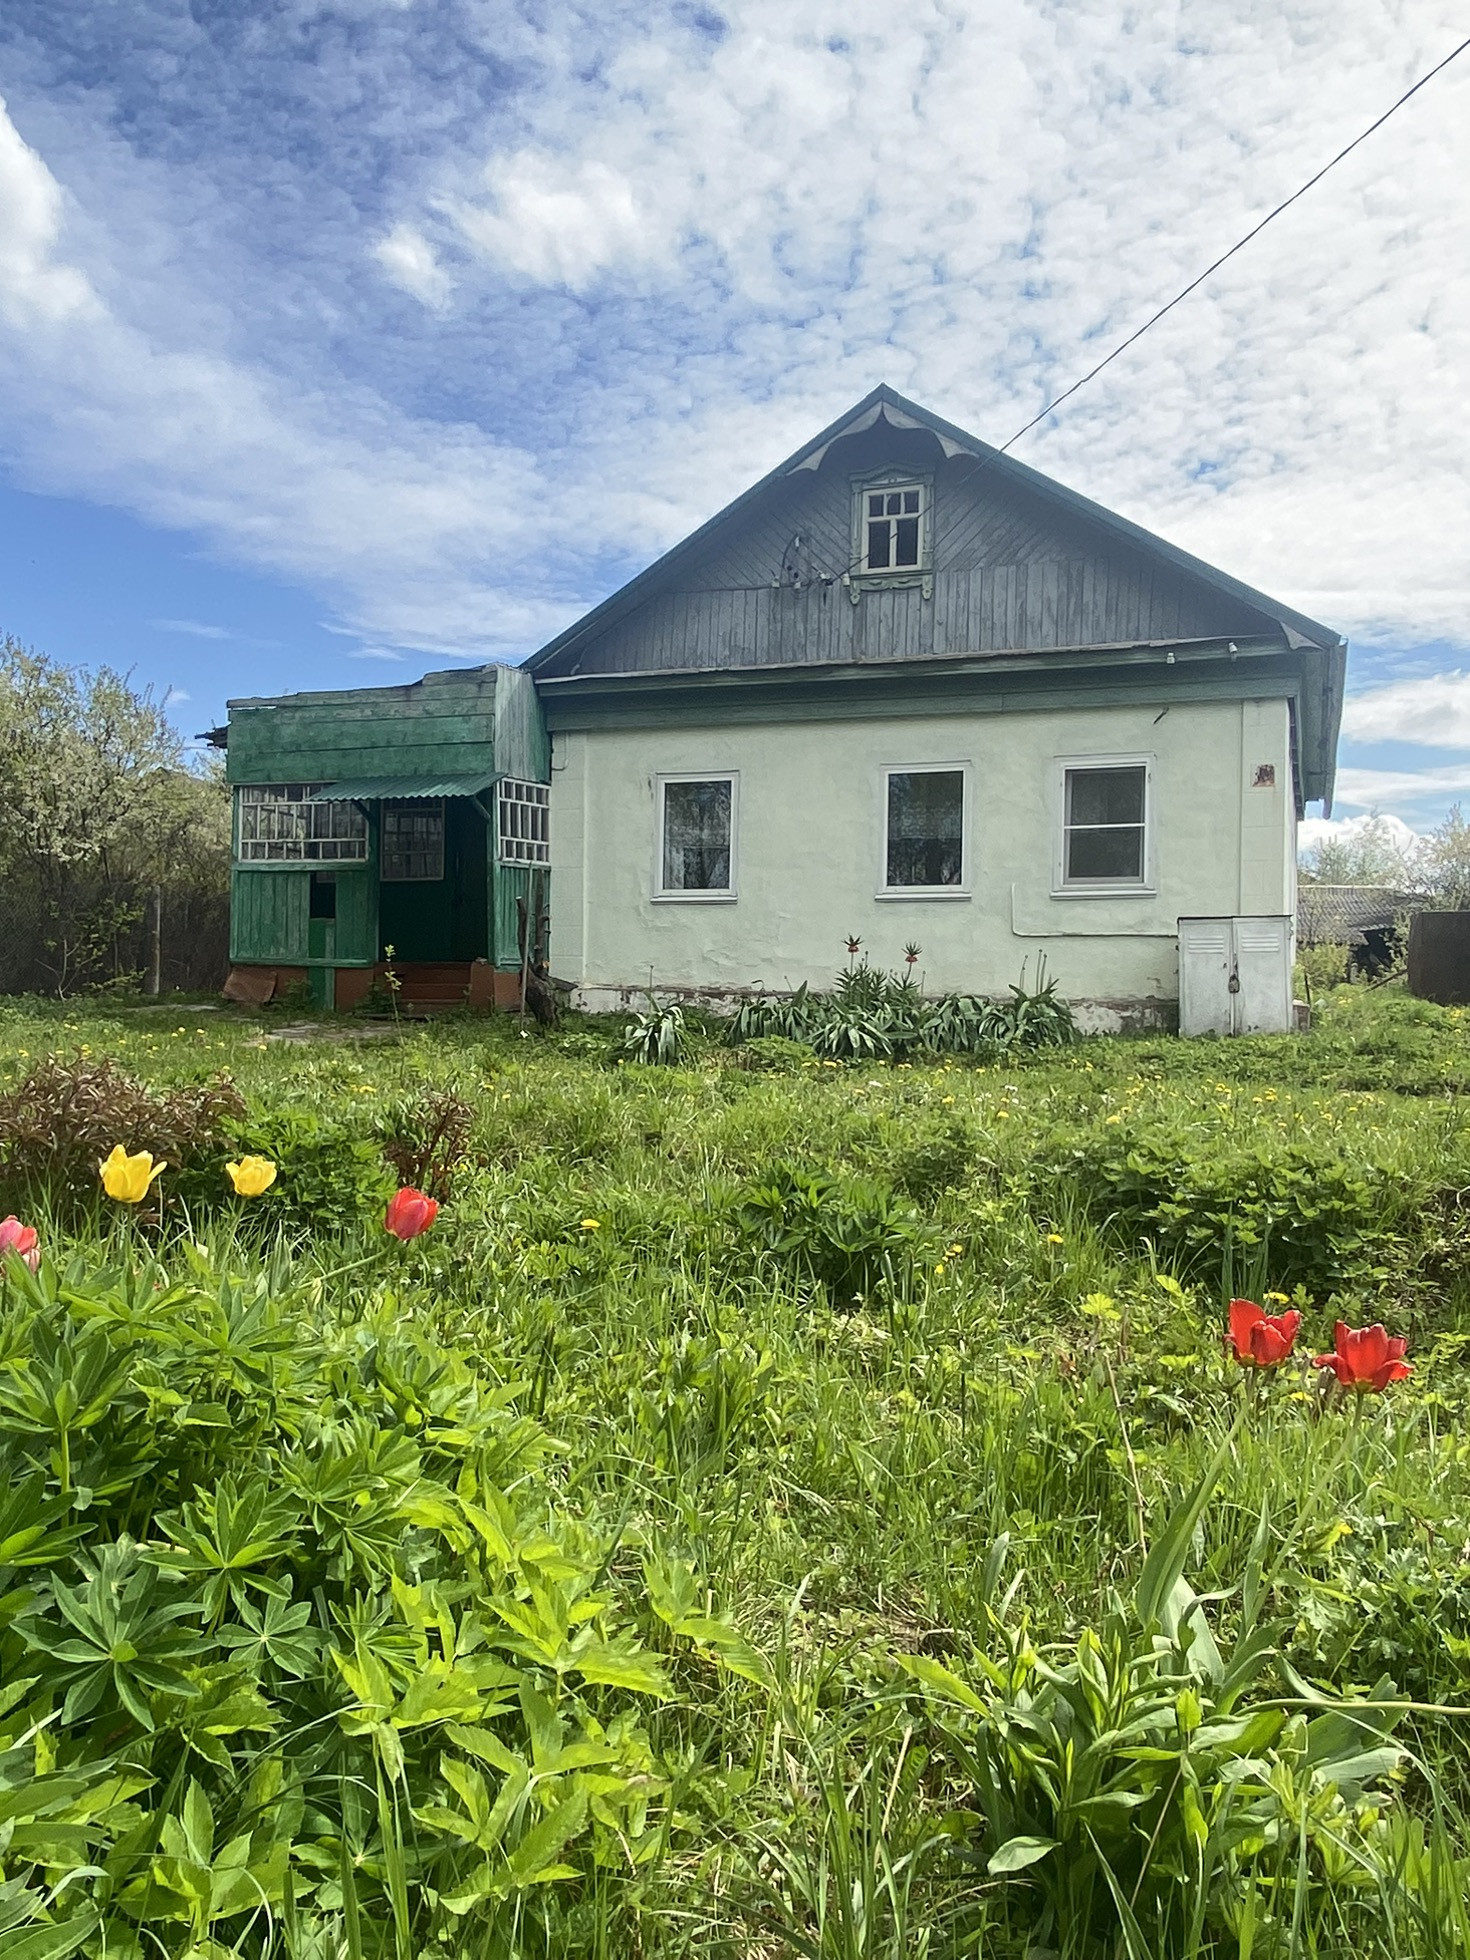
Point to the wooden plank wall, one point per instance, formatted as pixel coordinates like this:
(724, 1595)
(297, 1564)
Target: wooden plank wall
(1011, 571)
(441, 725)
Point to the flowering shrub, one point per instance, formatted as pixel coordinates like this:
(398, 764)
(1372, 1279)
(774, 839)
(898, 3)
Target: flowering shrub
(58, 1125)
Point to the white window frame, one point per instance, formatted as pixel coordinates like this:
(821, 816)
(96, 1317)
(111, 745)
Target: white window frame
(297, 797)
(421, 805)
(1065, 887)
(862, 576)
(726, 895)
(522, 823)
(925, 894)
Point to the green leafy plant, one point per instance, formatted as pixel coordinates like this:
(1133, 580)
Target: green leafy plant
(657, 1036)
(330, 1177)
(323, 1586)
(848, 1233)
(1148, 1790)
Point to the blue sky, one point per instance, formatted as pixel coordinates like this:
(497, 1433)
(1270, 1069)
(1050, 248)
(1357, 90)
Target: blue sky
(339, 342)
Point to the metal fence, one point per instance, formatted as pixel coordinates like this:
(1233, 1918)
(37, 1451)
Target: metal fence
(102, 935)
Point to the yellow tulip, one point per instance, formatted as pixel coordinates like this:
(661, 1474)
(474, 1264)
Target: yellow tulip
(127, 1178)
(251, 1176)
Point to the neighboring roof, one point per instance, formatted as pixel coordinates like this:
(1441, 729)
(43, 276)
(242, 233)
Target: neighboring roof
(886, 404)
(402, 789)
(1339, 915)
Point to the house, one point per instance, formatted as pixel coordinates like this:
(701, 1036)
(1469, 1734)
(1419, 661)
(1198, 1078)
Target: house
(903, 689)
(908, 690)
(409, 817)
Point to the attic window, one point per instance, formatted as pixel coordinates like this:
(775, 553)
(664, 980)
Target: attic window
(891, 521)
(891, 533)
(277, 823)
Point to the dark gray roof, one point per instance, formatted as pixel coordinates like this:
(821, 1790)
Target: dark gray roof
(1339, 915)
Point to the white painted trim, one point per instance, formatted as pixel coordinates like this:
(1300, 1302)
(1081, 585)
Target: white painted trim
(1061, 886)
(926, 892)
(725, 895)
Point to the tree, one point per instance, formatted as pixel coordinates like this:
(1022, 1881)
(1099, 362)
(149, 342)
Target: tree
(100, 806)
(1371, 852)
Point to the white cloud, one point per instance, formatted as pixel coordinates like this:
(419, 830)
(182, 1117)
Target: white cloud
(409, 261)
(1313, 831)
(1434, 710)
(373, 653)
(672, 255)
(195, 628)
(561, 223)
(1382, 789)
(35, 288)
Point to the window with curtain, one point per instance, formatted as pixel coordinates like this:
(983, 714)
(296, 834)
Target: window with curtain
(696, 845)
(926, 829)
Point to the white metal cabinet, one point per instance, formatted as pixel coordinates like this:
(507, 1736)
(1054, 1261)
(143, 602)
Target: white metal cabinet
(1235, 975)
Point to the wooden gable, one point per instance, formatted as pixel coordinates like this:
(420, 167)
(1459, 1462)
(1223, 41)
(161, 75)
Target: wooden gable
(1019, 564)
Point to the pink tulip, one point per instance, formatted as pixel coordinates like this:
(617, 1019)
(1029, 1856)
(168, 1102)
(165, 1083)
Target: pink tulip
(20, 1239)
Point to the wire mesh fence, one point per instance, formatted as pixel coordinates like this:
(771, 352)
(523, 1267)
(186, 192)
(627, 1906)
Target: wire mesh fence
(101, 935)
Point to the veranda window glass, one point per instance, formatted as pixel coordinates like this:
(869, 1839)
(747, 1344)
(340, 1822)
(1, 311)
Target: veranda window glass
(279, 824)
(524, 825)
(695, 846)
(412, 846)
(926, 828)
(891, 528)
(1106, 825)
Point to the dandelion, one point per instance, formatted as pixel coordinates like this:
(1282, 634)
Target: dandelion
(591, 1224)
(127, 1179)
(1055, 1238)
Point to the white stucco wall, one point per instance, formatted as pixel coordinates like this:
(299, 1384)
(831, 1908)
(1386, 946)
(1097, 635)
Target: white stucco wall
(810, 850)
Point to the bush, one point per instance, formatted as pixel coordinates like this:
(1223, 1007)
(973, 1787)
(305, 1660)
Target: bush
(425, 1138)
(1281, 1214)
(847, 1233)
(871, 1015)
(64, 1118)
(273, 1626)
(329, 1176)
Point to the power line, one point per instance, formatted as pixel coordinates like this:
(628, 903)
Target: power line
(1239, 245)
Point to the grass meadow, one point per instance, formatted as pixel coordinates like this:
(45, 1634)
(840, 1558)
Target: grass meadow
(778, 1508)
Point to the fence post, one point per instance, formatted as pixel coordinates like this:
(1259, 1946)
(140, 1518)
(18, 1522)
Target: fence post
(153, 983)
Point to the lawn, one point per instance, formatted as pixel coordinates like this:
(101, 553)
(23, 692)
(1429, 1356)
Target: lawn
(777, 1508)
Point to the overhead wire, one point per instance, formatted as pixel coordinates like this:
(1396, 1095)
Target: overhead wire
(1239, 246)
(982, 463)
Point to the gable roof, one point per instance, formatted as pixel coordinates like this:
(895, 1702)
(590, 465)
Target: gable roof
(887, 405)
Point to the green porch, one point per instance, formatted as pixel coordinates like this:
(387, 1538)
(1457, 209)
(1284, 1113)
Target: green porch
(400, 827)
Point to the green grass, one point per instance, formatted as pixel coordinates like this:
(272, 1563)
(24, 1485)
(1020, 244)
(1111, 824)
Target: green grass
(857, 1506)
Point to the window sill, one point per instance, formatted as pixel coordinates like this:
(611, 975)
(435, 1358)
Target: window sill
(923, 895)
(1104, 891)
(694, 898)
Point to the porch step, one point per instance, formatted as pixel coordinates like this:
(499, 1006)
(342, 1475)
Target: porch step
(433, 986)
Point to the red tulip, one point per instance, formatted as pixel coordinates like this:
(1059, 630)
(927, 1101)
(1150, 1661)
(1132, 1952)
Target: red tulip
(1365, 1358)
(1260, 1339)
(410, 1212)
(20, 1239)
